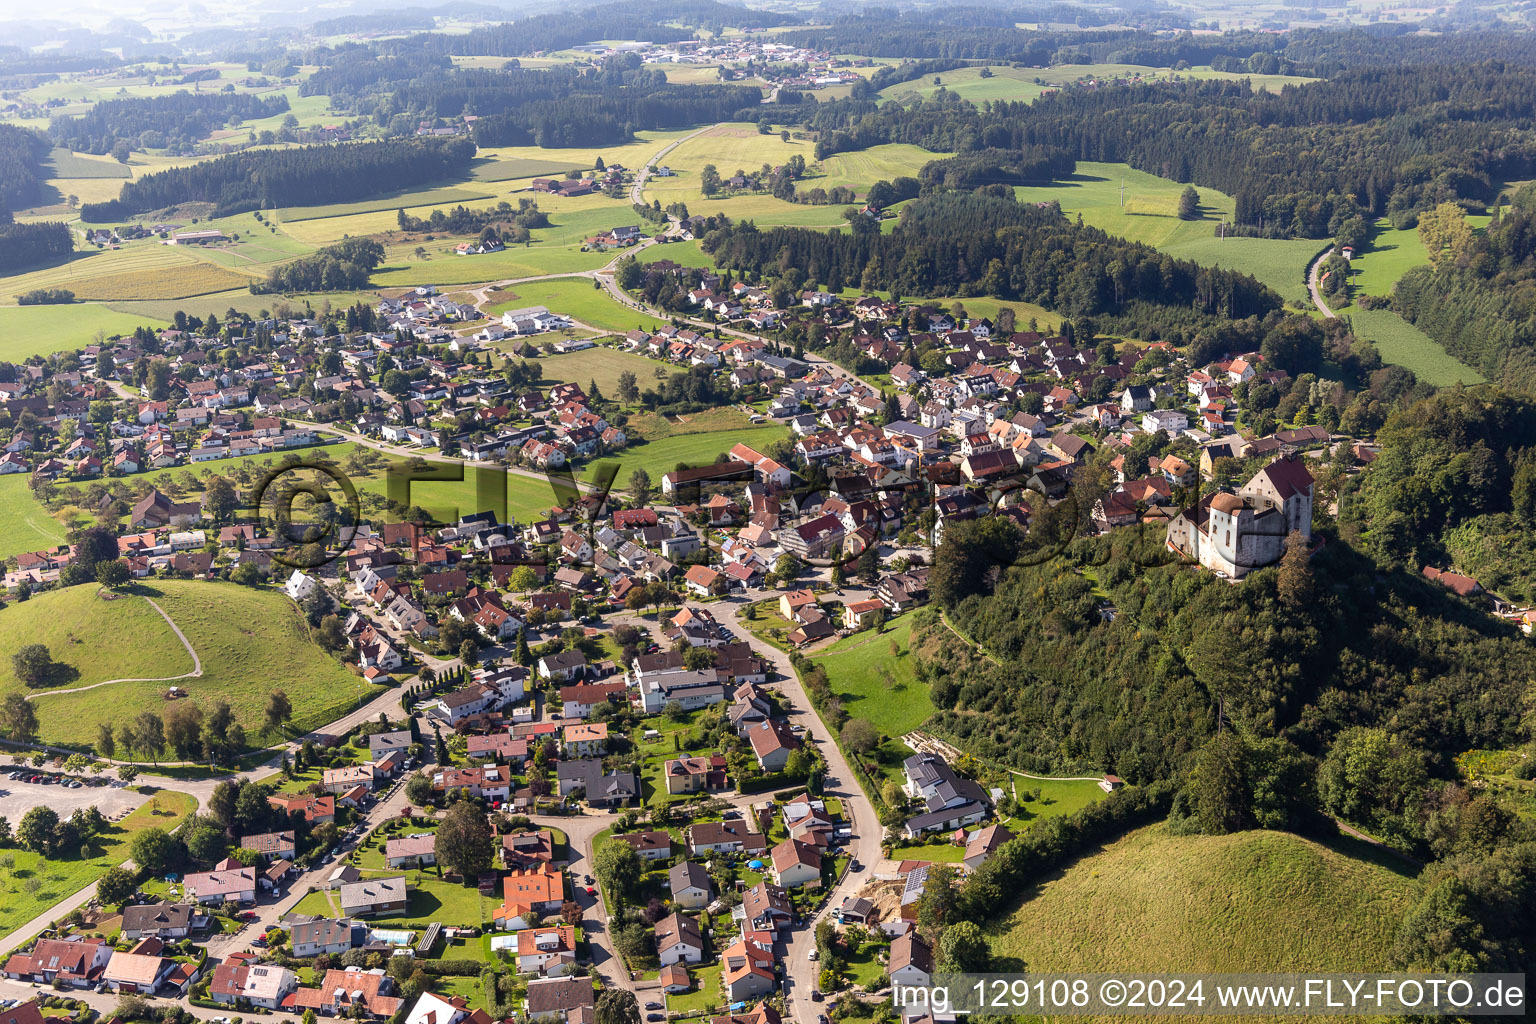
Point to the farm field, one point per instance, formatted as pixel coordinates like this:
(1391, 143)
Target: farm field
(64, 875)
(512, 168)
(630, 154)
(251, 642)
(85, 629)
(1149, 216)
(576, 297)
(859, 667)
(41, 330)
(403, 268)
(661, 457)
(1402, 343)
(860, 169)
(28, 526)
(1145, 903)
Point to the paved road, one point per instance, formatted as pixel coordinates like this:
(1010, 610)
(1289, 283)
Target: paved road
(1313, 286)
(637, 190)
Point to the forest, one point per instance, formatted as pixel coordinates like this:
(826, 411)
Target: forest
(311, 175)
(953, 243)
(31, 245)
(155, 122)
(1301, 163)
(21, 172)
(1311, 52)
(1477, 297)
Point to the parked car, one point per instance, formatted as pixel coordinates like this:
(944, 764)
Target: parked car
(814, 955)
(653, 1006)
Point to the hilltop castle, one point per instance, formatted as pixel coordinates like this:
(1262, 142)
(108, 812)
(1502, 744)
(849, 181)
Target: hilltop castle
(1233, 534)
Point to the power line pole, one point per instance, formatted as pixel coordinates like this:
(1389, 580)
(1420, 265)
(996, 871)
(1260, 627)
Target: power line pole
(1122, 193)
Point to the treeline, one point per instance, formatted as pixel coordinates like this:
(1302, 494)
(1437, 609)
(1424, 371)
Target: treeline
(972, 244)
(649, 20)
(154, 122)
(344, 266)
(308, 176)
(609, 118)
(461, 220)
(45, 296)
(27, 245)
(1313, 52)
(21, 172)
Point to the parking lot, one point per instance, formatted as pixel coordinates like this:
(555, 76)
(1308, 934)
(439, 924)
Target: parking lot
(18, 796)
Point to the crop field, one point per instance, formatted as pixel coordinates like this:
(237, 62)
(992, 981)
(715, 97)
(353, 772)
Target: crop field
(733, 146)
(28, 526)
(86, 264)
(66, 164)
(1153, 902)
(1149, 216)
(163, 283)
(251, 642)
(449, 196)
(1402, 343)
(875, 684)
(41, 330)
(576, 297)
(83, 630)
(572, 219)
(602, 365)
(660, 457)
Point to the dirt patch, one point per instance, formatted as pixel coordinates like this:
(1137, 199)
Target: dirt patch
(886, 897)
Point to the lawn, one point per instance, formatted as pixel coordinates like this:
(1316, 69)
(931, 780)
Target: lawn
(705, 996)
(28, 526)
(83, 631)
(1148, 216)
(661, 457)
(251, 642)
(1154, 902)
(875, 684)
(31, 885)
(42, 330)
(575, 297)
(654, 426)
(1057, 797)
(687, 254)
(1402, 343)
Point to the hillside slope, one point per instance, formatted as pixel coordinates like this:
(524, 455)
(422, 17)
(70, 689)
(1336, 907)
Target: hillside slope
(1252, 901)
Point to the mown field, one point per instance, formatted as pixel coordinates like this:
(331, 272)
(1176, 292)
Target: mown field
(1254, 901)
(687, 254)
(251, 642)
(66, 164)
(85, 634)
(447, 196)
(1027, 84)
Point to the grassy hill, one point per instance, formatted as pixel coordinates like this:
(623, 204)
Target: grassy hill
(251, 642)
(90, 638)
(1253, 901)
